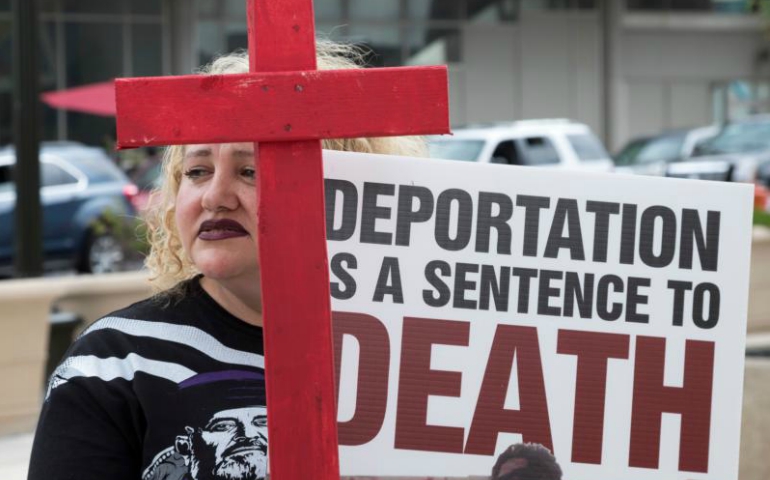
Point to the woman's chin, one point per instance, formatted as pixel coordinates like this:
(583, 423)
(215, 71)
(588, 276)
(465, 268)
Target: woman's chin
(224, 269)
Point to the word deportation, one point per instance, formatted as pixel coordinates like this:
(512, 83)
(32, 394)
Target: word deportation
(458, 218)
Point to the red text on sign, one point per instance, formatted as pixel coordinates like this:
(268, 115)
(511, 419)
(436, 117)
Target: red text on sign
(593, 352)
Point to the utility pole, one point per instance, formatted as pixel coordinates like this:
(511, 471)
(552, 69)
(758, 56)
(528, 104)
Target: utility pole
(26, 122)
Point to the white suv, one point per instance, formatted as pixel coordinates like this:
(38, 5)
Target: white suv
(557, 143)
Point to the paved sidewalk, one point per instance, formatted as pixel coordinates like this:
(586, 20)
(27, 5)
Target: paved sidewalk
(14, 456)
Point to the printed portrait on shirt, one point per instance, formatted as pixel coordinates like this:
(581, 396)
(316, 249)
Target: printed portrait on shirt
(219, 443)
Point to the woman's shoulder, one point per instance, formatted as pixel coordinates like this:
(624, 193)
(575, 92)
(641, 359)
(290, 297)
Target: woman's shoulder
(154, 316)
(160, 336)
(179, 323)
(174, 305)
(163, 305)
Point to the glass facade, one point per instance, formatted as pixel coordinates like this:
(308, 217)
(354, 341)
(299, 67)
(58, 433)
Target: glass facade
(82, 42)
(395, 32)
(718, 6)
(6, 81)
(87, 41)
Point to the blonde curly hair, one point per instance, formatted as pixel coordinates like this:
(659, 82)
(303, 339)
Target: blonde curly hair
(167, 261)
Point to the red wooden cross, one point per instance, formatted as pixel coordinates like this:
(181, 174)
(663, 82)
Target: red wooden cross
(288, 111)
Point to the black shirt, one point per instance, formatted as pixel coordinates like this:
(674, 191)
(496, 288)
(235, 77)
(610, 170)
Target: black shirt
(169, 388)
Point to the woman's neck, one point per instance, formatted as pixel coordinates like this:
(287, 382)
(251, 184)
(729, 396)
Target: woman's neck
(244, 301)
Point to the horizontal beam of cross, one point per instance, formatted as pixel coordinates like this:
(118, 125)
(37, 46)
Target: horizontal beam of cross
(286, 106)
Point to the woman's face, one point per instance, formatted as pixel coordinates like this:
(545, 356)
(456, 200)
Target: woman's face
(216, 210)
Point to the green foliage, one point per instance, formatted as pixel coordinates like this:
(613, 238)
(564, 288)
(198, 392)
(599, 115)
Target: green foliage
(131, 232)
(761, 218)
(761, 7)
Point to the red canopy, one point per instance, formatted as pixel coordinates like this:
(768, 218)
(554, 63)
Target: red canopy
(95, 98)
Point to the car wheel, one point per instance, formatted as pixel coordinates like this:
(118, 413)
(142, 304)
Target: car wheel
(103, 254)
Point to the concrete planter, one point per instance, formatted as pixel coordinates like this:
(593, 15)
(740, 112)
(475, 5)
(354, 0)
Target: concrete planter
(24, 329)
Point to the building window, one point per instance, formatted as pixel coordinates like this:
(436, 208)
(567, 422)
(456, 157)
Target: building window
(393, 32)
(434, 46)
(498, 11)
(718, 6)
(382, 42)
(145, 7)
(6, 82)
(114, 7)
(82, 42)
(737, 99)
(557, 4)
(146, 49)
(327, 10)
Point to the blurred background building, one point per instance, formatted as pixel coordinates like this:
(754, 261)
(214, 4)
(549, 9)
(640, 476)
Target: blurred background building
(625, 67)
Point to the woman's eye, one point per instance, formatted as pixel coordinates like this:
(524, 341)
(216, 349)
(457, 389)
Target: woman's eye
(195, 173)
(250, 173)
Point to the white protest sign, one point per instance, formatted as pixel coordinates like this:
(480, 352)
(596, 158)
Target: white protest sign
(479, 306)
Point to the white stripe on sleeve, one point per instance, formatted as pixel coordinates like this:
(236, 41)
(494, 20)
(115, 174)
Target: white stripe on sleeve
(187, 335)
(111, 368)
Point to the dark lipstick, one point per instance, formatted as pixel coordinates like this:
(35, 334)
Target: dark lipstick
(221, 230)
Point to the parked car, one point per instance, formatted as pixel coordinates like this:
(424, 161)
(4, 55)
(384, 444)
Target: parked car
(556, 143)
(87, 209)
(652, 155)
(738, 153)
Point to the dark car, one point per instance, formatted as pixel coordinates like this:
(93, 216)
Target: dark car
(652, 155)
(738, 153)
(87, 209)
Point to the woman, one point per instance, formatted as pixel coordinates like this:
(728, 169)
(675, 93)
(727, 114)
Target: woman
(173, 387)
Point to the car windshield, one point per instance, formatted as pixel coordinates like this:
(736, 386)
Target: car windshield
(650, 150)
(467, 150)
(588, 147)
(737, 138)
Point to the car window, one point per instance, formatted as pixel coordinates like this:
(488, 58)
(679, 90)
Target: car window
(627, 156)
(538, 151)
(695, 138)
(53, 175)
(467, 150)
(664, 149)
(737, 138)
(587, 147)
(6, 179)
(50, 175)
(100, 169)
(506, 154)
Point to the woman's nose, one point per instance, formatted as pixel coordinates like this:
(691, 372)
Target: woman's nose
(220, 194)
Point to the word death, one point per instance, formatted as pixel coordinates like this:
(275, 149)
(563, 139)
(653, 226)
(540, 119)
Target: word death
(417, 381)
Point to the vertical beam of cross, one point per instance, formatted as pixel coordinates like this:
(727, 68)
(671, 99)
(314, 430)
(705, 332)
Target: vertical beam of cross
(300, 378)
